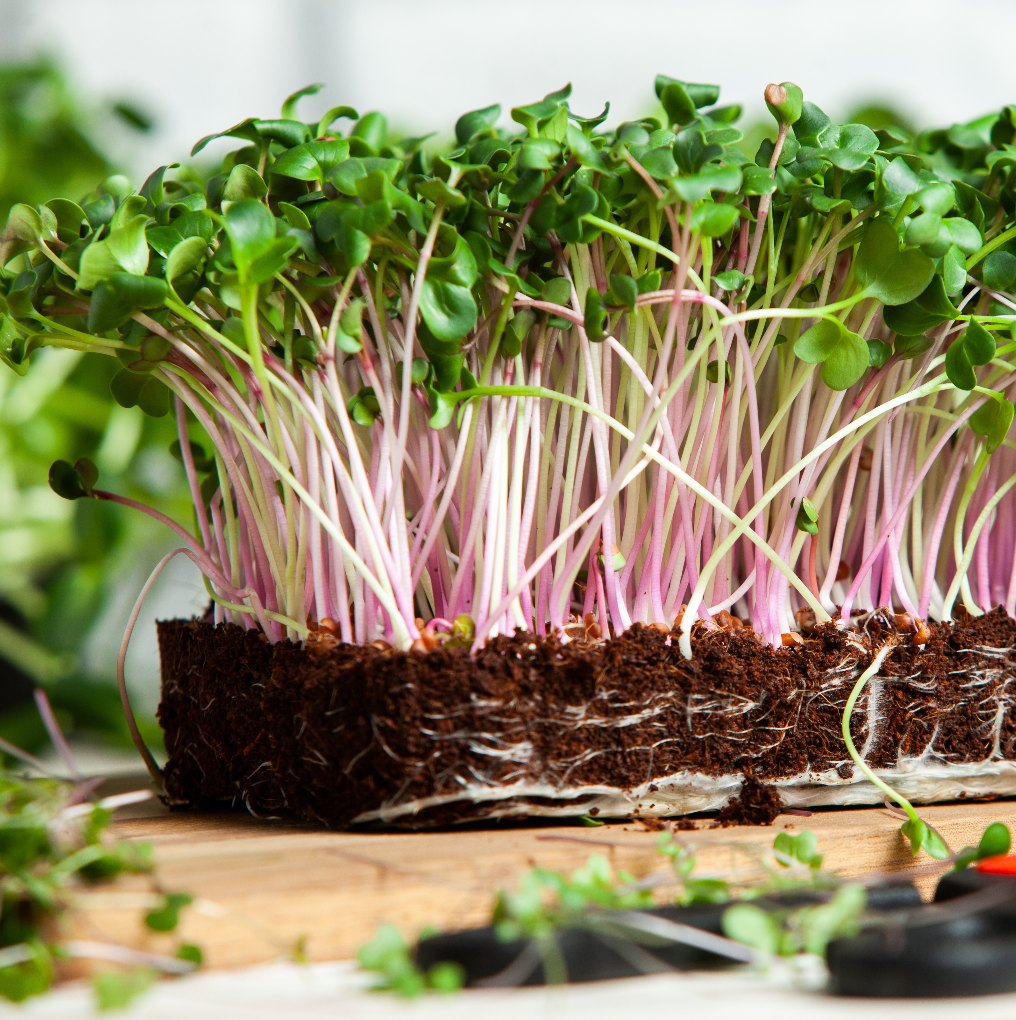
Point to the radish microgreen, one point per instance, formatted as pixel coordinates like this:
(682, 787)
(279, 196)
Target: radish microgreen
(996, 838)
(438, 383)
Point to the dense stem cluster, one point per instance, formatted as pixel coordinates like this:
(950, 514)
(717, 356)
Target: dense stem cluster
(563, 380)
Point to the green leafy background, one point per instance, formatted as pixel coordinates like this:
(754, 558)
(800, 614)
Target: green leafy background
(60, 604)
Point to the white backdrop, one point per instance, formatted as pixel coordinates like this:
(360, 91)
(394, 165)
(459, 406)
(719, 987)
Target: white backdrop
(201, 65)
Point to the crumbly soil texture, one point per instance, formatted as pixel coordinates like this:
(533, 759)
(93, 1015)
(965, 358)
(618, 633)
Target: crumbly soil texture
(343, 734)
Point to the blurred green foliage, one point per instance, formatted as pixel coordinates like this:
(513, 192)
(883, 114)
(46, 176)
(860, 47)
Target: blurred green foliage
(49, 141)
(60, 562)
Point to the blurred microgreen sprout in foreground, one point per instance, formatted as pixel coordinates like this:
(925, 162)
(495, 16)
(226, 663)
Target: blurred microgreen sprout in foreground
(54, 843)
(796, 908)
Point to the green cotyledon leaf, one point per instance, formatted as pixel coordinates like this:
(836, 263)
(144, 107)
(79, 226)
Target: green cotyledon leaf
(843, 355)
(887, 271)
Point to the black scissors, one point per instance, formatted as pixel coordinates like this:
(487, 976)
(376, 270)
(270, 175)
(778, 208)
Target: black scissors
(610, 944)
(961, 944)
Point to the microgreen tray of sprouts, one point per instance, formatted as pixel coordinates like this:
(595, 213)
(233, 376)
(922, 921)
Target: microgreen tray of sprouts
(558, 372)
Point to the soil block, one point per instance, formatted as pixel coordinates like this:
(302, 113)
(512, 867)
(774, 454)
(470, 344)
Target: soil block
(342, 734)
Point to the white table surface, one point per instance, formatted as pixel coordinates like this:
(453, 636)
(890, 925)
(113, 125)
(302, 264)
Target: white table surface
(337, 991)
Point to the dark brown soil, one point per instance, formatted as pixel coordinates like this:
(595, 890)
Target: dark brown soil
(756, 804)
(328, 732)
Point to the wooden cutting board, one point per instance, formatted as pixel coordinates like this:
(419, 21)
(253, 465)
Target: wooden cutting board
(263, 888)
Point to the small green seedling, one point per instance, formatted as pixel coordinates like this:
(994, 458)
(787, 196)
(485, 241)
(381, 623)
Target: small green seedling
(388, 956)
(800, 848)
(802, 930)
(995, 841)
(547, 899)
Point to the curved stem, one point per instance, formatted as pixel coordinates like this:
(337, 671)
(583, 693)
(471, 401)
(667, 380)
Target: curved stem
(121, 661)
(862, 681)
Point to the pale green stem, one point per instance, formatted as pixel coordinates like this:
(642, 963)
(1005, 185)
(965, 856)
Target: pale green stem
(848, 708)
(742, 527)
(774, 490)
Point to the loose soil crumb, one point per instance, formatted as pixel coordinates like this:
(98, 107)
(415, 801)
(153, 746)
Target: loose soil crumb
(686, 824)
(756, 804)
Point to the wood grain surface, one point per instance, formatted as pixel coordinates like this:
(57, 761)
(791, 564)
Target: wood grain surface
(262, 888)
